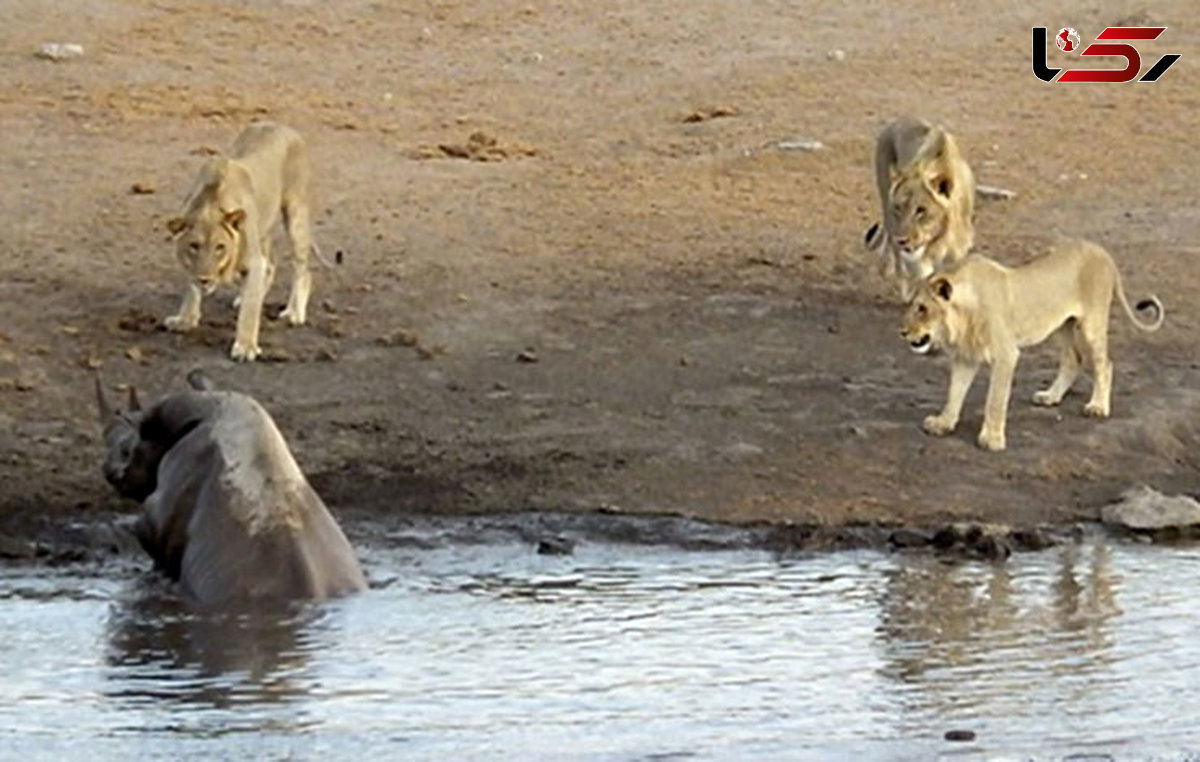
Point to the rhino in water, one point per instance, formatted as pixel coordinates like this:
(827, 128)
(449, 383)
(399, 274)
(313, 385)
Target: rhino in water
(226, 511)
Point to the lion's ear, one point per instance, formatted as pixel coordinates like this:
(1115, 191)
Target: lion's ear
(943, 186)
(942, 287)
(177, 225)
(233, 220)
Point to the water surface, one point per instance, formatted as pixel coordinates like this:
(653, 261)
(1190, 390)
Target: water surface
(492, 652)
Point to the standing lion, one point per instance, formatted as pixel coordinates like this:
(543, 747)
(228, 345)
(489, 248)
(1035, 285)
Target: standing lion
(927, 202)
(224, 232)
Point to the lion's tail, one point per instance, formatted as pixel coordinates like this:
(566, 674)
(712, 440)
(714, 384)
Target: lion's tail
(1150, 302)
(321, 257)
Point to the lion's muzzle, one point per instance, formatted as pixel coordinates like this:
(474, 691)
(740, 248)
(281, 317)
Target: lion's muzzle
(921, 345)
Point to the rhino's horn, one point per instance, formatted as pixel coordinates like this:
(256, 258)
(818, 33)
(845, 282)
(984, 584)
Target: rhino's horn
(106, 410)
(135, 404)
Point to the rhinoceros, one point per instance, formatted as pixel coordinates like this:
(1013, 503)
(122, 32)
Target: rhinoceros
(226, 511)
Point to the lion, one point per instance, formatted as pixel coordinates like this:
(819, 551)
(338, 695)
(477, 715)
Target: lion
(224, 233)
(927, 202)
(983, 313)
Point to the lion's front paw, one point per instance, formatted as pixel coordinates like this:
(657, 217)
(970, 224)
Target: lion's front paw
(992, 441)
(938, 426)
(180, 323)
(293, 317)
(1095, 410)
(242, 352)
(1045, 398)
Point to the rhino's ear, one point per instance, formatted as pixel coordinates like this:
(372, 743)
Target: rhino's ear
(200, 381)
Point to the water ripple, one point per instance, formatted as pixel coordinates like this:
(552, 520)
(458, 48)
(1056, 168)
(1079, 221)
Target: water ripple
(624, 653)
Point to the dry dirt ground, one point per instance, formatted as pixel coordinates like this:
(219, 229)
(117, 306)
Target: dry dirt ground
(598, 188)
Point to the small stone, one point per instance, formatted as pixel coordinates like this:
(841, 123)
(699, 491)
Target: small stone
(836, 55)
(59, 51)
(555, 546)
(325, 354)
(993, 193)
(401, 337)
(960, 735)
(142, 189)
(527, 355)
(800, 144)
(135, 354)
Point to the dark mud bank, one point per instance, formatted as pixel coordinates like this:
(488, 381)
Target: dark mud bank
(102, 537)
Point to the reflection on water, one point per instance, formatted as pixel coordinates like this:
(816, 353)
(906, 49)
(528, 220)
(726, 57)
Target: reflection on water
(245, 657)
(621, 653)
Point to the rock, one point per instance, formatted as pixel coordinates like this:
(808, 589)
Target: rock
(527, 355)
(555, 546)
(142, 189)
(947, 537)
(1146, 510)
(908, 538)
(992, 547)
(1031, 539)
(960, 735)
(800, 144)
(14, 549)
(836, 55)
(59, 51)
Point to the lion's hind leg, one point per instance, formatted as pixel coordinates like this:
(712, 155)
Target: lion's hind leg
(1068, 366)
(1092, 341)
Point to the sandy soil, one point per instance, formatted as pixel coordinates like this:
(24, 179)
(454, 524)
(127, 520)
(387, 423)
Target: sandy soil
(708, 337)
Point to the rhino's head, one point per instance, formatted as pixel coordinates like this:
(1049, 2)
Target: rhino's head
(130, 462)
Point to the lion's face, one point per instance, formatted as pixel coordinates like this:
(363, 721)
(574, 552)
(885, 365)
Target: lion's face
(209, 249)
(928, 320)
(917, 216)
